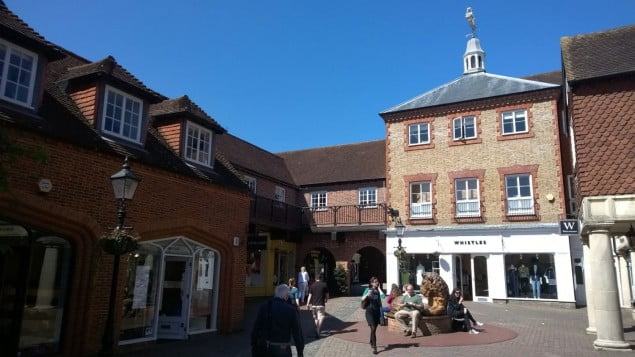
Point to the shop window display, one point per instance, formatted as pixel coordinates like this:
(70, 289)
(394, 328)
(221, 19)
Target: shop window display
(531, 276)
(416, 265)
(202, 291)
(139, 301)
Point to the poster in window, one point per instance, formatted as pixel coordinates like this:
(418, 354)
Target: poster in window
(142, 277)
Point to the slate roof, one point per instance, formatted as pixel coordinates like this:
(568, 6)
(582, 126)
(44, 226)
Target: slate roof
(186, 107)
(470, 87)
(110, 67)
(337, 164)
(599, 54)
(250, 158)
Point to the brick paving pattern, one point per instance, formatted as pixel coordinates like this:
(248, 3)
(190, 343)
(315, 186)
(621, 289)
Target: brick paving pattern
(542, 331)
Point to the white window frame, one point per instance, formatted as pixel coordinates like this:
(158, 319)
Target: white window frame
(279, 194)
(13, 49)
(251, 183)
(468, 207)
(418, 126)
(319, 200)
(461, 123)
(421, 208)
(126, 97)
(199, 135)
(513, 116)
(519, 204)
(368, 197)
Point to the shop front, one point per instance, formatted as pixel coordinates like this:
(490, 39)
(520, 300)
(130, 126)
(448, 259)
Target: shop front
(269, 262)
(529, 263)
(170, 291)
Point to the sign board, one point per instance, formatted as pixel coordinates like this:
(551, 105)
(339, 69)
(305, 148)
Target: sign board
(569, 226)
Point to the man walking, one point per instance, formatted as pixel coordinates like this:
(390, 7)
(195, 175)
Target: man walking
(276, 322)
(409, 309)
(318, 296)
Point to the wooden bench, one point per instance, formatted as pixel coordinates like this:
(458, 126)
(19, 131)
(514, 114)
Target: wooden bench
(427, 325)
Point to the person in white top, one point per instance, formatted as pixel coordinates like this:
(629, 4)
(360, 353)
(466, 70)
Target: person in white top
(303, 283)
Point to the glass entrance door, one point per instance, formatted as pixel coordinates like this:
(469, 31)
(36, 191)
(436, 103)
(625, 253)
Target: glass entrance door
(481, 285)
(175, 297)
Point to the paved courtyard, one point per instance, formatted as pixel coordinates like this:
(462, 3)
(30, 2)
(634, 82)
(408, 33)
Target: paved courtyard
(542, 331)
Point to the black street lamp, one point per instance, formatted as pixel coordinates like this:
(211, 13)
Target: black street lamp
(118, 242)
(400, 253)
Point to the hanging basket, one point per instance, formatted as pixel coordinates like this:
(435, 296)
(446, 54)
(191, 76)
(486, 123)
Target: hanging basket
(118, 242)
(400, 254)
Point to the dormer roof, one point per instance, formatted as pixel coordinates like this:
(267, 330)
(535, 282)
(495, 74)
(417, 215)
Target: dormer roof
(471, 87)
(16, 30)
(599, 54)
(109, 68)
(185, 107)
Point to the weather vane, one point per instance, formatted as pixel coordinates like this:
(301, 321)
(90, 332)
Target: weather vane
(469, 16)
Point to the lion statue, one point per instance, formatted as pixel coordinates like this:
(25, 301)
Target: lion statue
(434, 288)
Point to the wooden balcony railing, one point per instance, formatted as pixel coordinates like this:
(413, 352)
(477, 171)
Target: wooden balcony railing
(276, 213)
(350, 215)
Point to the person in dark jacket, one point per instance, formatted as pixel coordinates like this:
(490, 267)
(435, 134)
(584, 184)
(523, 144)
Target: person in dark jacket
(276, 322)
(461, 316)
(373, 310)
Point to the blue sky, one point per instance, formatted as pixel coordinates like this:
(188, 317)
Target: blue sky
(296, 74)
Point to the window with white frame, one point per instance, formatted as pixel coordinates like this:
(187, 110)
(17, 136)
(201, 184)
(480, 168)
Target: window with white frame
(520, 200)
(198, 144)
(17, 74)
(571, 194)
(419, 134)
(514, 122)
(421, 200)
(464, 128)
(122, 115)
(368, 196)
(279, 194)
(467, 198)
(251, 183)
(318, 200)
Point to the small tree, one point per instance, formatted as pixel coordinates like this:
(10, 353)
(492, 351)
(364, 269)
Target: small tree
(340, 279)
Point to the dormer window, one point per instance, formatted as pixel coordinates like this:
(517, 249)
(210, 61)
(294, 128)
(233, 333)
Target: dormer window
(198, 144)
(122, 115)
(17, 74)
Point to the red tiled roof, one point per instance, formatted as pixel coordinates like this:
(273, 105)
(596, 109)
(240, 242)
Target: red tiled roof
(109, 66)
(554, 77)
(599, 54)
(250, 158)
(184, 106)
(341, 163)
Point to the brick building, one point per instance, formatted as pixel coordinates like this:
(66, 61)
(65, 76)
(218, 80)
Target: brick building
(70, 123)
(474, 167)
(599, 75)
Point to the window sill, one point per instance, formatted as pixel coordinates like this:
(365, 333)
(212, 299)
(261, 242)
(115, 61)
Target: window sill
(477, 219)
(416, 221)
(522, 218)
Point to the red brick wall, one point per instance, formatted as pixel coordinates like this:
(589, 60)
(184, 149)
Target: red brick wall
(604, 123)
(81, 207)
(342, 251)
(344, 194)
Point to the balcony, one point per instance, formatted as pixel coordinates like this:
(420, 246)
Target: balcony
(276, 214)
(347, 218)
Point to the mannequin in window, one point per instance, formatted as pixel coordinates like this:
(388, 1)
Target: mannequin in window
(523, 275)
(512, 281)
(420, 272)
(535, 275)
(550, 279)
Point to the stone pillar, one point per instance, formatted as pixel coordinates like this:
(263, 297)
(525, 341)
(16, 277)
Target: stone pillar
(608, 315)
(588, 285)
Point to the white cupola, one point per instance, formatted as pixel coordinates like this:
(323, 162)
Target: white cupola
(474, 57)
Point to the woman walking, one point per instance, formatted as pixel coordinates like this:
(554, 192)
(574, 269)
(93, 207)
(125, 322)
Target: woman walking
(373, 310)
(303, 283)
